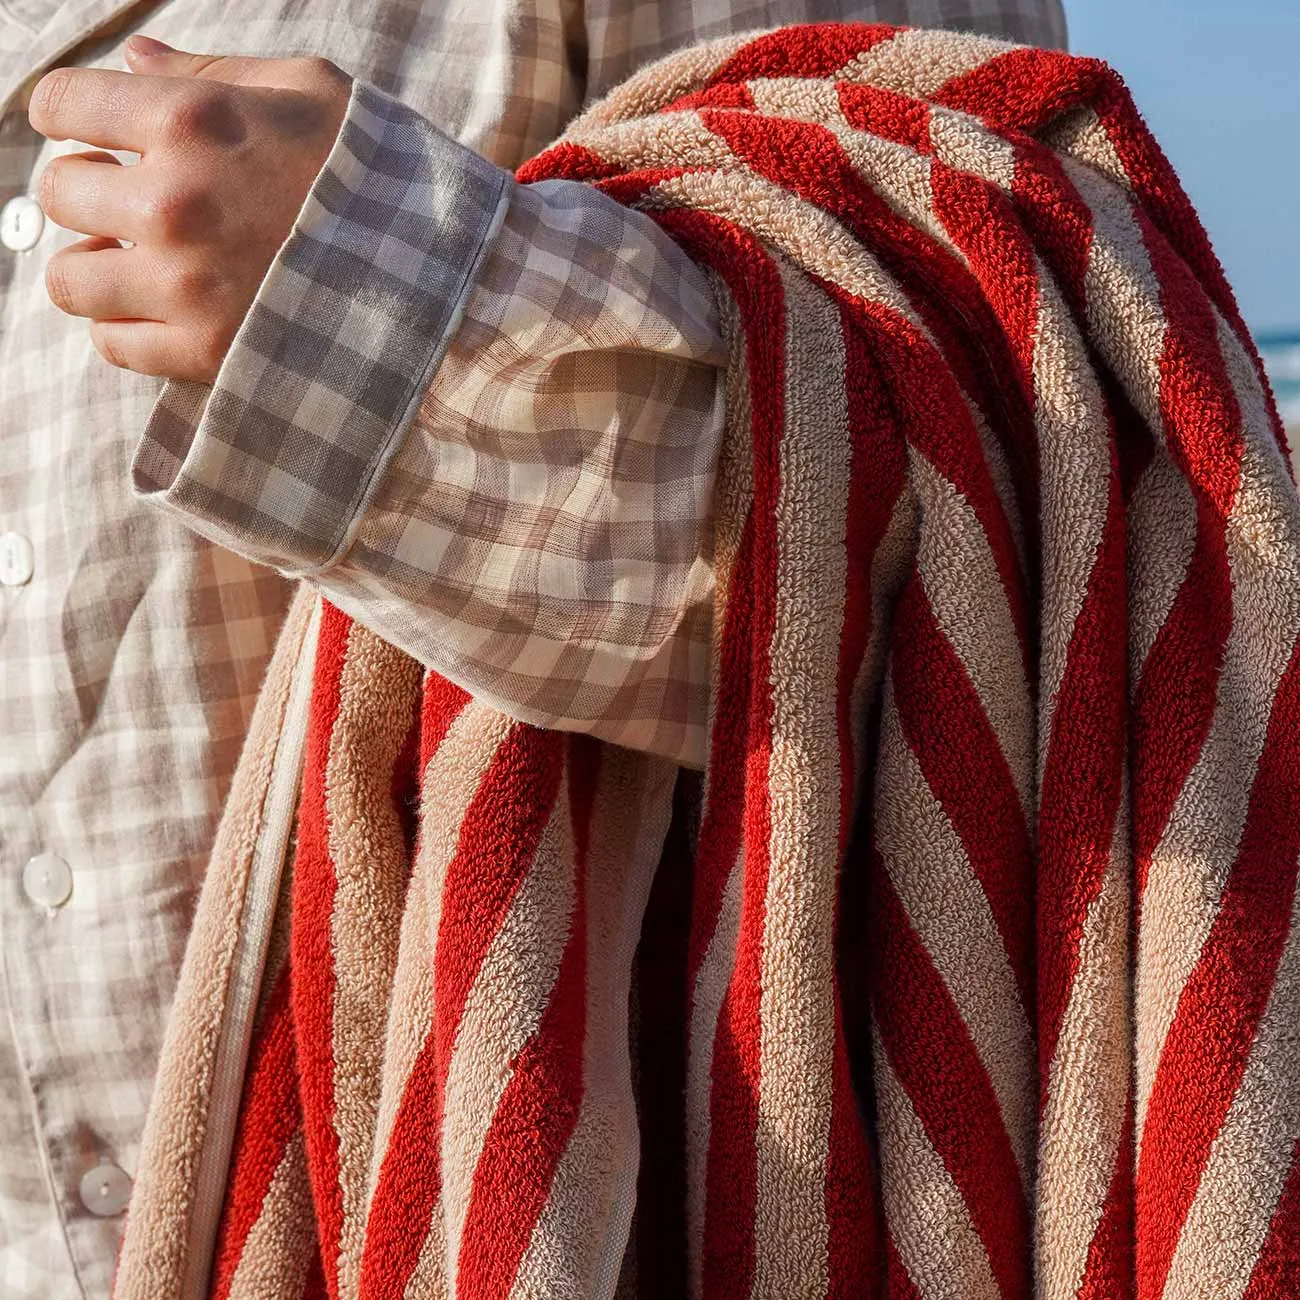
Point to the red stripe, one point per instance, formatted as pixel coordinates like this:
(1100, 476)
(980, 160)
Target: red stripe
(731, 1176)
(1177, 694)
(269, 1117)
(540, 1105)
(1109, 1271)
(938, 1065)
(311, 948)
(808, 160)
(950, 735)
(1024, 89)
(877, 478)
(498, 838)
(1082, 777)
(1277, 1270)
(812, 50)
(1218, 1015)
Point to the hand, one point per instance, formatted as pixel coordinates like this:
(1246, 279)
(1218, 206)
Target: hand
(228, 149)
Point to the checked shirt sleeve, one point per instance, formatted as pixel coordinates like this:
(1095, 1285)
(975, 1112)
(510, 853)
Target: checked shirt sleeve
(483, 418)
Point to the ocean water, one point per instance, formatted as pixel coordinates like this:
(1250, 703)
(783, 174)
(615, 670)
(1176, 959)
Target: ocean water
(1281, 353)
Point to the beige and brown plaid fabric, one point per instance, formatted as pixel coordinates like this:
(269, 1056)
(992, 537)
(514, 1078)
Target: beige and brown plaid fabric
(129, 661)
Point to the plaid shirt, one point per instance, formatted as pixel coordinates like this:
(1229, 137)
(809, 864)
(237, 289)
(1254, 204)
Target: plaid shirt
(482, 417)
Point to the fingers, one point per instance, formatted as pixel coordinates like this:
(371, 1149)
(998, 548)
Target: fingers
(153, 348)
(93, 194)
(100, 279)
(132, 110)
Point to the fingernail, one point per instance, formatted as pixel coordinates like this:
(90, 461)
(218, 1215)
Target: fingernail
(146, 45)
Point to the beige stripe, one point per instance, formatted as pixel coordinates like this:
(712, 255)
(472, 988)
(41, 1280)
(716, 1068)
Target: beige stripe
(672, 139)
(1088, 1084)
(449, 784)
(156, 1259)
(1191, 864)
(711, 986)
(377, 695)
(1229, 1220)
(966, 145)
(920, 61)
(1080, 134)
(929, 868)
(925, 1212)
(667, 79)
(502, 1011)
(801, 98)
(1161, 521)
(898, 175)
(1075, 463)
(807, 235)
(797, 1011)
(966, 593)
(578, 1244)
(282, 1241)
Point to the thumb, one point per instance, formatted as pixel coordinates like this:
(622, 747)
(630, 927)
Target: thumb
(156, 58)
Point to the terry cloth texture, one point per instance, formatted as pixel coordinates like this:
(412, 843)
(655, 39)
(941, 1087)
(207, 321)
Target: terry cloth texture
(971, 966)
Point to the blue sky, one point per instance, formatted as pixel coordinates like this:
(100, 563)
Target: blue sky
(1219, 83)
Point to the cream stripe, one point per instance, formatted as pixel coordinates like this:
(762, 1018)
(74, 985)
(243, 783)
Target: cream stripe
(966, 593)
(503, 1010)
(920, 61)
(1161, 520)
(711, 986)
(929, 868)
(449, 784)
(667, 79)
(797, 1011)
(1075, 465)
(1191, 864)
(1080, 134)
(966, 145)
(807, 235)
(1088, 1084)
(273, 1264)
(1239, 1190)
(800, 98)
(925, 1212)
(376, 698)
(578, 1244)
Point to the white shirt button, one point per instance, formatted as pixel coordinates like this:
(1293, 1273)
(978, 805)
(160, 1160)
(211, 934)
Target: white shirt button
(21, 223)
(105, 1190)
(47, 880)
(15, 560)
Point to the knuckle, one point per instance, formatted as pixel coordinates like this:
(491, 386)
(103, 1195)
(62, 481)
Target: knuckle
(177, 210)
(187, 284)
(208, 115)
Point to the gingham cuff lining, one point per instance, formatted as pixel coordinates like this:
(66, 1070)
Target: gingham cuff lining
(280, 457)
